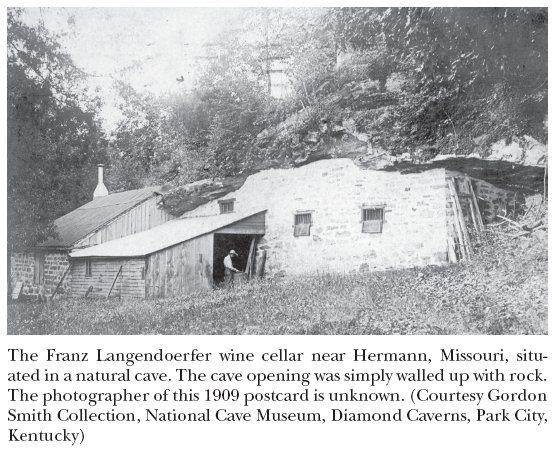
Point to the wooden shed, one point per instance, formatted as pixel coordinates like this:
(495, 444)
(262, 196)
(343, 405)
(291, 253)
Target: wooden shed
(172, 259)
(110, 217)
(44, 269)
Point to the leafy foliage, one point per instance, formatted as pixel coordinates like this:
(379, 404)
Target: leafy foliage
(183, 137)
(451, 80)
(53, 134)
(466, 72)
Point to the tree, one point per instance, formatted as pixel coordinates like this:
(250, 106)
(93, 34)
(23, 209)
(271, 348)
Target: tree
(269, 37)
(467, 73)
(450, 80)
(205, 132)
(53, 134)
(233, 96)
(161, 139)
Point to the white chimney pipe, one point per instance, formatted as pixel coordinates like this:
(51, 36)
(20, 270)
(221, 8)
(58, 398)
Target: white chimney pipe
(101, 190)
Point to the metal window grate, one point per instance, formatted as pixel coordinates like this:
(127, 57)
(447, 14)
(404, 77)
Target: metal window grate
(372, 220)
(226, 207)
(303, 219)
(302, 224)
(88, 268)
(372, 214)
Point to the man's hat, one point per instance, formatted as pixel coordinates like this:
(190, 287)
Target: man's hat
(233, 252)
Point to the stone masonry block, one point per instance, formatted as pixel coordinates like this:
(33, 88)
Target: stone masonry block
(342, 234)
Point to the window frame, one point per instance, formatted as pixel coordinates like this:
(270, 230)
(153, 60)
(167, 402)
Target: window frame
(298, 216)
(365, 210)
(226, 203)
(88, 268)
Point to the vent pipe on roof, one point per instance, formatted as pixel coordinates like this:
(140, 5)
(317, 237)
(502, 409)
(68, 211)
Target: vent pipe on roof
(101, 190)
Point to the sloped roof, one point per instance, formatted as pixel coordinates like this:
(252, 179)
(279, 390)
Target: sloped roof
(88, 218)
(161, 237)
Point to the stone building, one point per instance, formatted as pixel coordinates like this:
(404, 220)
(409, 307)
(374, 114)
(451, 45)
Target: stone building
(40, 269)
(413, 211)
(327, 216)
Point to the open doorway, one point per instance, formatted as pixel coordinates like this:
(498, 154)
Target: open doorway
(223, 244)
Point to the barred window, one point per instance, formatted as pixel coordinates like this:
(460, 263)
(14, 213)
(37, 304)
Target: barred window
(372, 214)
(226, 206)
(303, 221)
(88, 268)
(372, 220)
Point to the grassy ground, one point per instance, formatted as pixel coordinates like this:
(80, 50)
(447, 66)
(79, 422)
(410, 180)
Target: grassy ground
(502, 291)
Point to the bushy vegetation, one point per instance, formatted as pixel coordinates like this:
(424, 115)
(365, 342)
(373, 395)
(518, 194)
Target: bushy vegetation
(503, 290)
(454, 80)
(54, 138)
(450, 80)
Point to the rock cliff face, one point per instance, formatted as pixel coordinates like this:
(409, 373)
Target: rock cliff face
(340, 145)
(518, 167)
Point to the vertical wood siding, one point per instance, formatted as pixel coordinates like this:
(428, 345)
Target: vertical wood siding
(179, 270)
(129, 284)
(255, 224)
(140, 218)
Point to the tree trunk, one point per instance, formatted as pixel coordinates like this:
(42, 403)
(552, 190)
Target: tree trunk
(268, 65)
(9, 267)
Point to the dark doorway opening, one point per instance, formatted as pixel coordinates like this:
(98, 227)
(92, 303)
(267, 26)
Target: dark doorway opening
(223, 244)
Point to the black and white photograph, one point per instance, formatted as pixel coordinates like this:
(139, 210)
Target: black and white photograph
(277, 171)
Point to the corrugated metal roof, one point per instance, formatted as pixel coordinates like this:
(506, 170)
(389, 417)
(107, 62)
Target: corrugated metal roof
(91, 216)
(161, 237)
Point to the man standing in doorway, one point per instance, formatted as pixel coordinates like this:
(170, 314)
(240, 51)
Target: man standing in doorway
(229, 269)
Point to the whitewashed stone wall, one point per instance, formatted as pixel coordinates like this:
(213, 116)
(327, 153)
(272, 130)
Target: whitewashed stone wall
(414, 230)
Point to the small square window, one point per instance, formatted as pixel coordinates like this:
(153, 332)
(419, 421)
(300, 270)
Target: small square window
(302, 224)
(226, 206)
(88, 268)
(372, 220)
